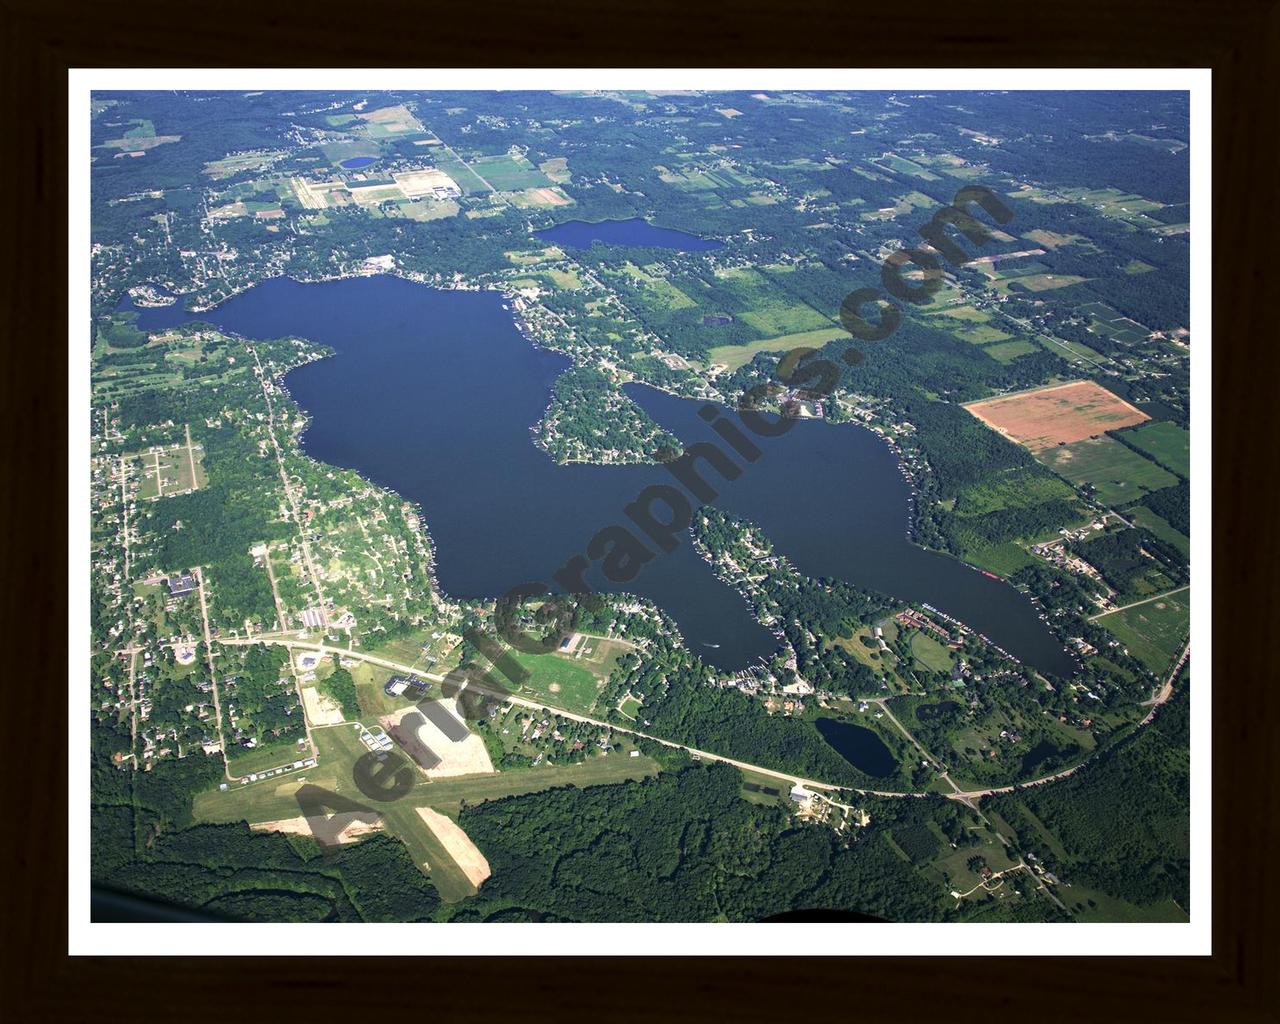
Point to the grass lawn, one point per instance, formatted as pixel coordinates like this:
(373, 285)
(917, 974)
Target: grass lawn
(1154, 630)
(628, 707)
(273, 755)
(930, 654)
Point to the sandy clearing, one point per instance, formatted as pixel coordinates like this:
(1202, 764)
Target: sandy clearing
(459, 845)
(468, 756)
(321, 710)
(344, 827)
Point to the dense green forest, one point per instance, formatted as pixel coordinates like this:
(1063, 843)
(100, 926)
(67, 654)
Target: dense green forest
(680, 847)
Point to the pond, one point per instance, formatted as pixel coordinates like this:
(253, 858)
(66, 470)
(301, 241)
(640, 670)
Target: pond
(1042, 751)
(860, 746)
(580, 234)
(926, 712)
(356, 162)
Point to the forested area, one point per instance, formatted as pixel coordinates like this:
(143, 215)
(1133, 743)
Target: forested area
(1122, 819)
(340, 687)
(810, 612)
(1173, 505)
(589, 415)
(143, 840)
(680, 847)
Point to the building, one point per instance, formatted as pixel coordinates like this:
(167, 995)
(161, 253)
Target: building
(395, 686)
(181, 583)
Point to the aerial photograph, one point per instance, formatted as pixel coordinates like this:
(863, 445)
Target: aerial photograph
(607, 505)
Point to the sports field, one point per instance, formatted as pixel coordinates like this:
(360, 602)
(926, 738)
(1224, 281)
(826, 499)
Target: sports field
(563, 682)
(1057, 414)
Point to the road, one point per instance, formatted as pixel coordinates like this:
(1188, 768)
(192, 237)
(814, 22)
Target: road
(191, 458)
(1134, 604)
(213, 676)
(1166, 691)
(275, 591)
(288, 490)
(537, 705)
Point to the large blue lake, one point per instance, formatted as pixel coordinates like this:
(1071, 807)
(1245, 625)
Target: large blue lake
(432, 394)
(580, 234)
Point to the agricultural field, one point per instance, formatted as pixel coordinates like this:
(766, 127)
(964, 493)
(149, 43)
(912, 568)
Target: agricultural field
(1166, 443)
(1057, 414)
(1053, 239)
(531, 198)
(1153, 630)
(893, 162)
(508, 173)
(902, 205)
(1117, 474)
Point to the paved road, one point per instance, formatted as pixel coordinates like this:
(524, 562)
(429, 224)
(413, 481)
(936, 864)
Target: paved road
(704, 755)
(288, 490)
(1166, 691)
(213, 676)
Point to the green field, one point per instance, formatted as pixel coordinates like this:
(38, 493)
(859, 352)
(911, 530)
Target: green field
(273, 755)
(1008, 351)
(562, 682)
(983, 334)
(509, 174)
(466, 178)
(736, 356)
(170, 471)
(1117, 473)
(1148, 520)
(930, 654)
(1154, 630)
(1167, 443)
(783, 318)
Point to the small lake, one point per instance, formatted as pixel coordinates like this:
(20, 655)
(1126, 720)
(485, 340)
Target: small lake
(1041, 752)
(580, 234)
(860, 746)
(356, 162)
(432, 394)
